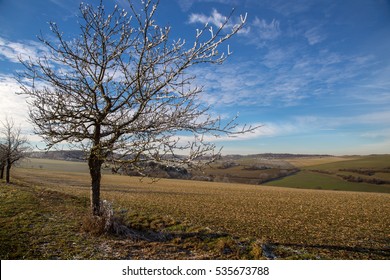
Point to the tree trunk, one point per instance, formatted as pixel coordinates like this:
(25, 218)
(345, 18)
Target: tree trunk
(95, 164)
(2, 167)
(7, 173)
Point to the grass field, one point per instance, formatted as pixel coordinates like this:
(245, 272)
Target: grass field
(320, 174)
(55, 165)
(315, 172)
(303, 162)
(289, 223)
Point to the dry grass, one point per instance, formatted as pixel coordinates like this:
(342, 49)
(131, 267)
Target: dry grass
(297, 223)
(39, 223)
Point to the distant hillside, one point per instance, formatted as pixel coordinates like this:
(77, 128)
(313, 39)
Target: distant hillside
(272, 156)
(77, 155)
(252, 169)
(68, 155)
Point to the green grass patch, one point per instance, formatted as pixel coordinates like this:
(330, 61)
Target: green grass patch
(312, 180)
(332, 176)
(54, 165)
(39, 224)
(374, 161)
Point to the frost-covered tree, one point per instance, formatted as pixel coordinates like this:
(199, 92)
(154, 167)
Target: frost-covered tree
(121, 90)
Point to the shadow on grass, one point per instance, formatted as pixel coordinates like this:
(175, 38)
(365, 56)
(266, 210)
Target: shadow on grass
(186, 240)
(291, 250)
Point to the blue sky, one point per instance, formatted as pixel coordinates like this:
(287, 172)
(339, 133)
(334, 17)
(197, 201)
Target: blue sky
(314, 73)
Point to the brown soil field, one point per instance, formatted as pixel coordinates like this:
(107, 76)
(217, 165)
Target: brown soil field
(314, 223)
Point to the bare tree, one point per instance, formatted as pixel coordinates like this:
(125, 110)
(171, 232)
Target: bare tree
(2, 160)
(121, 90)
(13, 147)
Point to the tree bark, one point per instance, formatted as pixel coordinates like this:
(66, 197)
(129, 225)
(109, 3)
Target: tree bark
(2, 167)
(7, 173)
(95, 164)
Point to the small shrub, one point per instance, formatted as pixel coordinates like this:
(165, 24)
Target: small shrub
(225, 246)
(321, 171)
(354, 179)
(228, 164)
(105, 223)
(93, 225)
(257, 167)
(256, 250)
(202, 178)
(368, 172)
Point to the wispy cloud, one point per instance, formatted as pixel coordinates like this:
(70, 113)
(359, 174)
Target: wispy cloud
(382, 118)
(377, 134)
(69, 8)
(285, 76)
(215, 18)
(314, 35)
(264, 30)
(258, 29)
(373, 120)
(301, 125)
(14, 50)
(218, 20)
(185, 5)
(289, 8)
(229, 85)
(294, 63)
(262, 130)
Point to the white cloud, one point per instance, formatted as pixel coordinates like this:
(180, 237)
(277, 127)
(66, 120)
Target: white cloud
(227, 85)
(201, 18)
(328, 123)
(264, 30)
(277, 56)
(244, 84)
(288, 76)
(68, 8)
(14, 106)
(185, 5)
(13, 51)
(218, 20)
(301, 125)
(317, 126)
(262, 130)
(261, 33)
(290, 8)
(11, 104)
(314, 35)
(377, 134)
(373, 118)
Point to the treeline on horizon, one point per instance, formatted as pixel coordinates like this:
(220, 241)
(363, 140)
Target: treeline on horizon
(79, 155)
